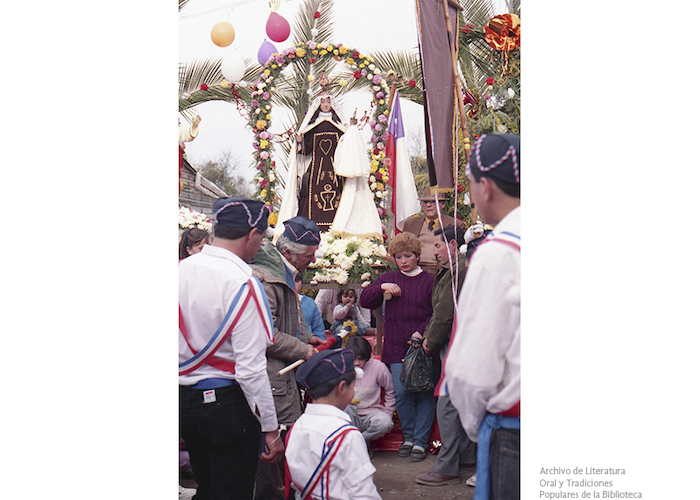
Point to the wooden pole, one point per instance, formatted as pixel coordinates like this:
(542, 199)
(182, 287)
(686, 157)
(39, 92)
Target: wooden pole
(460, 102)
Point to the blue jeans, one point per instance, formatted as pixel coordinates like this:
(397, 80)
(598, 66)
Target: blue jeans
(498, 459)
(416, 410)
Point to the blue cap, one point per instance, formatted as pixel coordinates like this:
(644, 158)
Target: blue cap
(325, 366)
(241, 212)
(497, 156)
(302, 230)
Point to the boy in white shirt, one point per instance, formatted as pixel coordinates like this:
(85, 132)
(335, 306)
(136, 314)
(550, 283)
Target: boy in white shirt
(326, 455)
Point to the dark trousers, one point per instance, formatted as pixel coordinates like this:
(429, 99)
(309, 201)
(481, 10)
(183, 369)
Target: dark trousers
(504, 460)
(223, 439)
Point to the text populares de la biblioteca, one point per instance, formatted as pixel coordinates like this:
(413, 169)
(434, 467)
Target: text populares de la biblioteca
(596, 486)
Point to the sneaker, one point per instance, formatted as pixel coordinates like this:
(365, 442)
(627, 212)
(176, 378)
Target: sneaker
(471, 481)
(186, 493)
(433, 478)
(418, 455)
(405, 449)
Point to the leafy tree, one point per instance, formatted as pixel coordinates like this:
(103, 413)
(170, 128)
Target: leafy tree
(223, 173)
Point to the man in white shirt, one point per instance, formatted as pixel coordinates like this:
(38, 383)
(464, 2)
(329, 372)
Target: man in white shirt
(225, 328)
(482, 367)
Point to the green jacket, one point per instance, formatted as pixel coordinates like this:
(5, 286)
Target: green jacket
(269, 268)
(439, 329)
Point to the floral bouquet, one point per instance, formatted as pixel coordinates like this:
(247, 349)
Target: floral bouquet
(189, 219)
(347, 259)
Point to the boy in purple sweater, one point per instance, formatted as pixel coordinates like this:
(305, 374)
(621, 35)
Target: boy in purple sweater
(409, 308)
(369, 415)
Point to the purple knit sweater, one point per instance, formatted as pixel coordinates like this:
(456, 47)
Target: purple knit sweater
(403, 315)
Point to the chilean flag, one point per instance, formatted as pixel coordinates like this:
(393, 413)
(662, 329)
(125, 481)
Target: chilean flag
(404, 199)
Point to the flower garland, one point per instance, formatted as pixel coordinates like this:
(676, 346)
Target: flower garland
(260, 112)
(187, 219)
(350, 259)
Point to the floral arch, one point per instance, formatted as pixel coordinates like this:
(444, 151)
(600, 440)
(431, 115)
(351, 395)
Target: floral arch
(267, 181)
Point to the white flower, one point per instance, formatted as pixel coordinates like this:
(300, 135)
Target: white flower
(365, 284)
(378, 194)
(495, 102)
(372, 67)
(373, 179)
(502, 129)
(511, 93)
(365, 277)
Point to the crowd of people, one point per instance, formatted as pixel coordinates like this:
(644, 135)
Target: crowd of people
(256, 428)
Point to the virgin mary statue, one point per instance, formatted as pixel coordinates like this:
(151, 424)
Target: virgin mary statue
(328, 172)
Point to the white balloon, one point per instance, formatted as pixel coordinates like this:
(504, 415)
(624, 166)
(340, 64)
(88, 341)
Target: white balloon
(233, 66)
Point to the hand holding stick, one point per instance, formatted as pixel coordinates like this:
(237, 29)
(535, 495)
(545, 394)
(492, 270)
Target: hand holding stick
(329, 343)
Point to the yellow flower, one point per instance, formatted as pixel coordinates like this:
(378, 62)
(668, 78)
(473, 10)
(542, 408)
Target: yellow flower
(370, 59)
(224, 83)
(350, 60)
(314, 52)
(261, 124)
(273, 219)
(301, 52)
(381, 101)
(274, 66)
(267, 116)
(323, 52)
(335, 52)
(267, 71)
(342, 83)
(342, 50)
(374, 164)
(263, 143)
(330, 48)
(382, 171)
(380, 186)
(310, 78)
(263, 193)
(362, 65)
(386, 112)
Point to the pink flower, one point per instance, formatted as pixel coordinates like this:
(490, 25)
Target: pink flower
(489, 81)
(377, 79)
(385, 136)
(264, 155)
(311, 44)
(363, 72)
(279, 59)
(380, 95)
(380, 145)
(387, 162)
(378, 128)
(265, 95)
(373, 139)
(383, 118)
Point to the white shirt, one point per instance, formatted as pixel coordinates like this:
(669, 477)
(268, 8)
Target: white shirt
(209, 282)
(482, 367)
(351, 471)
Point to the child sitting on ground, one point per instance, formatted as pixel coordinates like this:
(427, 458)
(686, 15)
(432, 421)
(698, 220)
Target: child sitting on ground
(347, 310)
(371, 416)
(326, 456)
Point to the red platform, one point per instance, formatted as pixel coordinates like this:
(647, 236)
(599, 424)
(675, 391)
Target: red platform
(393, 439)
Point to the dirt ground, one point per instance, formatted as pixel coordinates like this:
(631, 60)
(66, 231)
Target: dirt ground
(395, 479)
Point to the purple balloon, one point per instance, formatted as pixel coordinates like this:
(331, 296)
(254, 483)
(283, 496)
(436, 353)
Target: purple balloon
(265, 51)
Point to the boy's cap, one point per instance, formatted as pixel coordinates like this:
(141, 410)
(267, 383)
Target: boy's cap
(241, 213)
(302, 230)
(325, 366)
(497, 155)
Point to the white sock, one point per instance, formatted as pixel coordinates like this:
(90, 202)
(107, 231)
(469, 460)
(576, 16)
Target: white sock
(418, 448)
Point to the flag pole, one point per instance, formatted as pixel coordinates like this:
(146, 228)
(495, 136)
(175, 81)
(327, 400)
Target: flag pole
(460, 102)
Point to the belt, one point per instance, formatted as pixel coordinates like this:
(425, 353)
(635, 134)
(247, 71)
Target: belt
(213, 383)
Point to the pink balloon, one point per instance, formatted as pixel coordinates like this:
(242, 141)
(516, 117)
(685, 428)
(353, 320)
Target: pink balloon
(277, 27)
(265, 51)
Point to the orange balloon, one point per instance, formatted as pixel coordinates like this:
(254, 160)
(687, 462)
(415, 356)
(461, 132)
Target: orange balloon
(222, 34)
